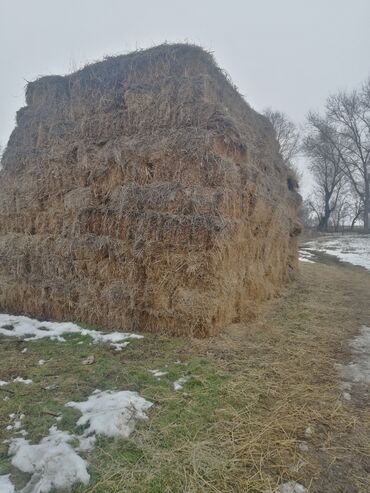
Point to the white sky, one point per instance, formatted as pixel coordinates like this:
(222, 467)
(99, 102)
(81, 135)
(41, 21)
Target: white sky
(285, 54)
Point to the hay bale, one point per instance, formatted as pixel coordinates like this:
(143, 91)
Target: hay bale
(142, 192)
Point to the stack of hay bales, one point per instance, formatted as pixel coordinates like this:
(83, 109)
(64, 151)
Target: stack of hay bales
(143, 193)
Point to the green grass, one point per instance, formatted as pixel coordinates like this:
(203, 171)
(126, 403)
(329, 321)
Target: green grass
(176, 418)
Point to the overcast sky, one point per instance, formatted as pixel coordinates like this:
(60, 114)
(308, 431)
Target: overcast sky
(285, 54)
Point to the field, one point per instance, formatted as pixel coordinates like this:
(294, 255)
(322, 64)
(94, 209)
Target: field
(261, 405)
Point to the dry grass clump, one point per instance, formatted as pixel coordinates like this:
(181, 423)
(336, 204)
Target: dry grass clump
(143, 192)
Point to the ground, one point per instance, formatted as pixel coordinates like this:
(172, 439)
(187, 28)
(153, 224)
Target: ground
(262, 404)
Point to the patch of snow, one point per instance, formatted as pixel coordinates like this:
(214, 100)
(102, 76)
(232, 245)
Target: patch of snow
(31, 329)
(41, 362)
(345, 386)
(179, 384)
(119, 346)
(6, 398)
(303, 447)
(303, 259)
(26, 381)
(158, 373)
(354, 249)
(86, 443)
(308, 431)
(53, 463)
(16, 380)
(17, 422)
(5, 484)
(89, 360)
(24, 350)
(111, 413)
(289, 487)
(358, 370)
(53, 386)
(306, 256)
(361, 343)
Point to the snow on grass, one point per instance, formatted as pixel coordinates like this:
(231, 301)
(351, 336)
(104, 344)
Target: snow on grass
(113, 414)
(119, 346)
(158, 373)
(16, 422)
(31, 329)
(26, 381)
(53, 463)
(358, 370)
(5, 484)
(354, 249)
(179, 384)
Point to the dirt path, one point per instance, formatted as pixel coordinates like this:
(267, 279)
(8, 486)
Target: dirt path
(307, 431)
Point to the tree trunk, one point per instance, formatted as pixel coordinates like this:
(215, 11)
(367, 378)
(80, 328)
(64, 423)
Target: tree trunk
(324, 219)
(354, 222)
(366, 207)
(323, 223)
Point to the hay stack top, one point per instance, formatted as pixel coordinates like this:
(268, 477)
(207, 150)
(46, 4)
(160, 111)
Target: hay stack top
(142, 192)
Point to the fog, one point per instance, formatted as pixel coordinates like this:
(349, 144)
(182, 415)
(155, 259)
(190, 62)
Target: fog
(287, 55)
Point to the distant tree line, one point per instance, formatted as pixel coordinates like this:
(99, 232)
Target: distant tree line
(336, 144)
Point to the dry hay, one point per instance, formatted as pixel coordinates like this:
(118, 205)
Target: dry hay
(142, 192)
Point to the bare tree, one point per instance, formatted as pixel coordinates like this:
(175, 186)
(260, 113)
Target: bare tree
(355, 208)
(286, 134)
(306, 214)
(341, 212)
(346, 126)
(326, 169)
